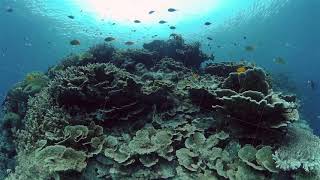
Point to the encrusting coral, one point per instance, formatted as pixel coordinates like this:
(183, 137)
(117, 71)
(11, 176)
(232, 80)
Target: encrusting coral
(154, 114)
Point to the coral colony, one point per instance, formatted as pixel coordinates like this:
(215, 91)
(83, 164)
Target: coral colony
(154, 113)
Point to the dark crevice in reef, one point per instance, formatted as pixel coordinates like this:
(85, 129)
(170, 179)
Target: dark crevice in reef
(153, 113)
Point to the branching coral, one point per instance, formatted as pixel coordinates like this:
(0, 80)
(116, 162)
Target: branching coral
(300, 149)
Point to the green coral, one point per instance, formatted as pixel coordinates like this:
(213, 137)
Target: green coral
(140, 115)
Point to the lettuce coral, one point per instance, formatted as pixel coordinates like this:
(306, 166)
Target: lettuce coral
(153, 114)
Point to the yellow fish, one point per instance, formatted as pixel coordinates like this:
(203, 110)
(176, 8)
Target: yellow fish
(241, 69)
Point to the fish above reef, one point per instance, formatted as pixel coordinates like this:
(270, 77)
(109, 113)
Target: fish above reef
(171, 10)
(137, 21)
(180, 51)
(172, 27)
(9, 9)
(75, 42)
(279, 60)
(207, 23)
(129, 43)
(249, 48)
(71, 17)
(151, 12)
(108, 39)
(209, 38)
(311, 84)
(162, 22)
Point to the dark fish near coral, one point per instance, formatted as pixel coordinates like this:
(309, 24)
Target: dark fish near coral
(151, 12)
(172, 27)
(75, 42)
(129, 43)
(137, 21)
(171, 10)
(244, 37)
(180, 51)
(212, 57)
(207, 23)
(279, 60)
(9, 9)
(249, 48)
(113, 24)
(154, 36)
(311, 84)
(162, 22)
(71, 17)
(209, 38)
(108, 39)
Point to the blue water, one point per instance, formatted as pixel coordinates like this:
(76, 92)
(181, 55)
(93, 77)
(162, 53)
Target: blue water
(37, 34)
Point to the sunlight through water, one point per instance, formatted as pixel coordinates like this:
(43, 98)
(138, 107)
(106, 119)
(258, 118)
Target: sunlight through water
(127, 10)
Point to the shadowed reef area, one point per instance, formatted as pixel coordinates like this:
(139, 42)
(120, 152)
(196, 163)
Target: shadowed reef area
(153, 113)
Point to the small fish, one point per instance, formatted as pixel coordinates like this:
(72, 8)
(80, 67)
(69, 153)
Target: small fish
(108, 39)
(75, 42)
(180, 51)
(318, 117)
(151, 12)
(219, 46)
(28, 44)
(212, 57)
(154, 36)
(249, 48)
(9, 9)
(311, 84)
(113, 24)
(4, 50)
(71, 17)
(241, 69)
(172, 27)
(129, 43)
(235, 44)
(162, 22)
(207, 23)
(137, 21)
(209, 38)
(171, 10)
(279, 60)
(244, 37)
(133, 30)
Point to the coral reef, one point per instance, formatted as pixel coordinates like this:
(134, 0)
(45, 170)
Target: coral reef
(152, 114)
